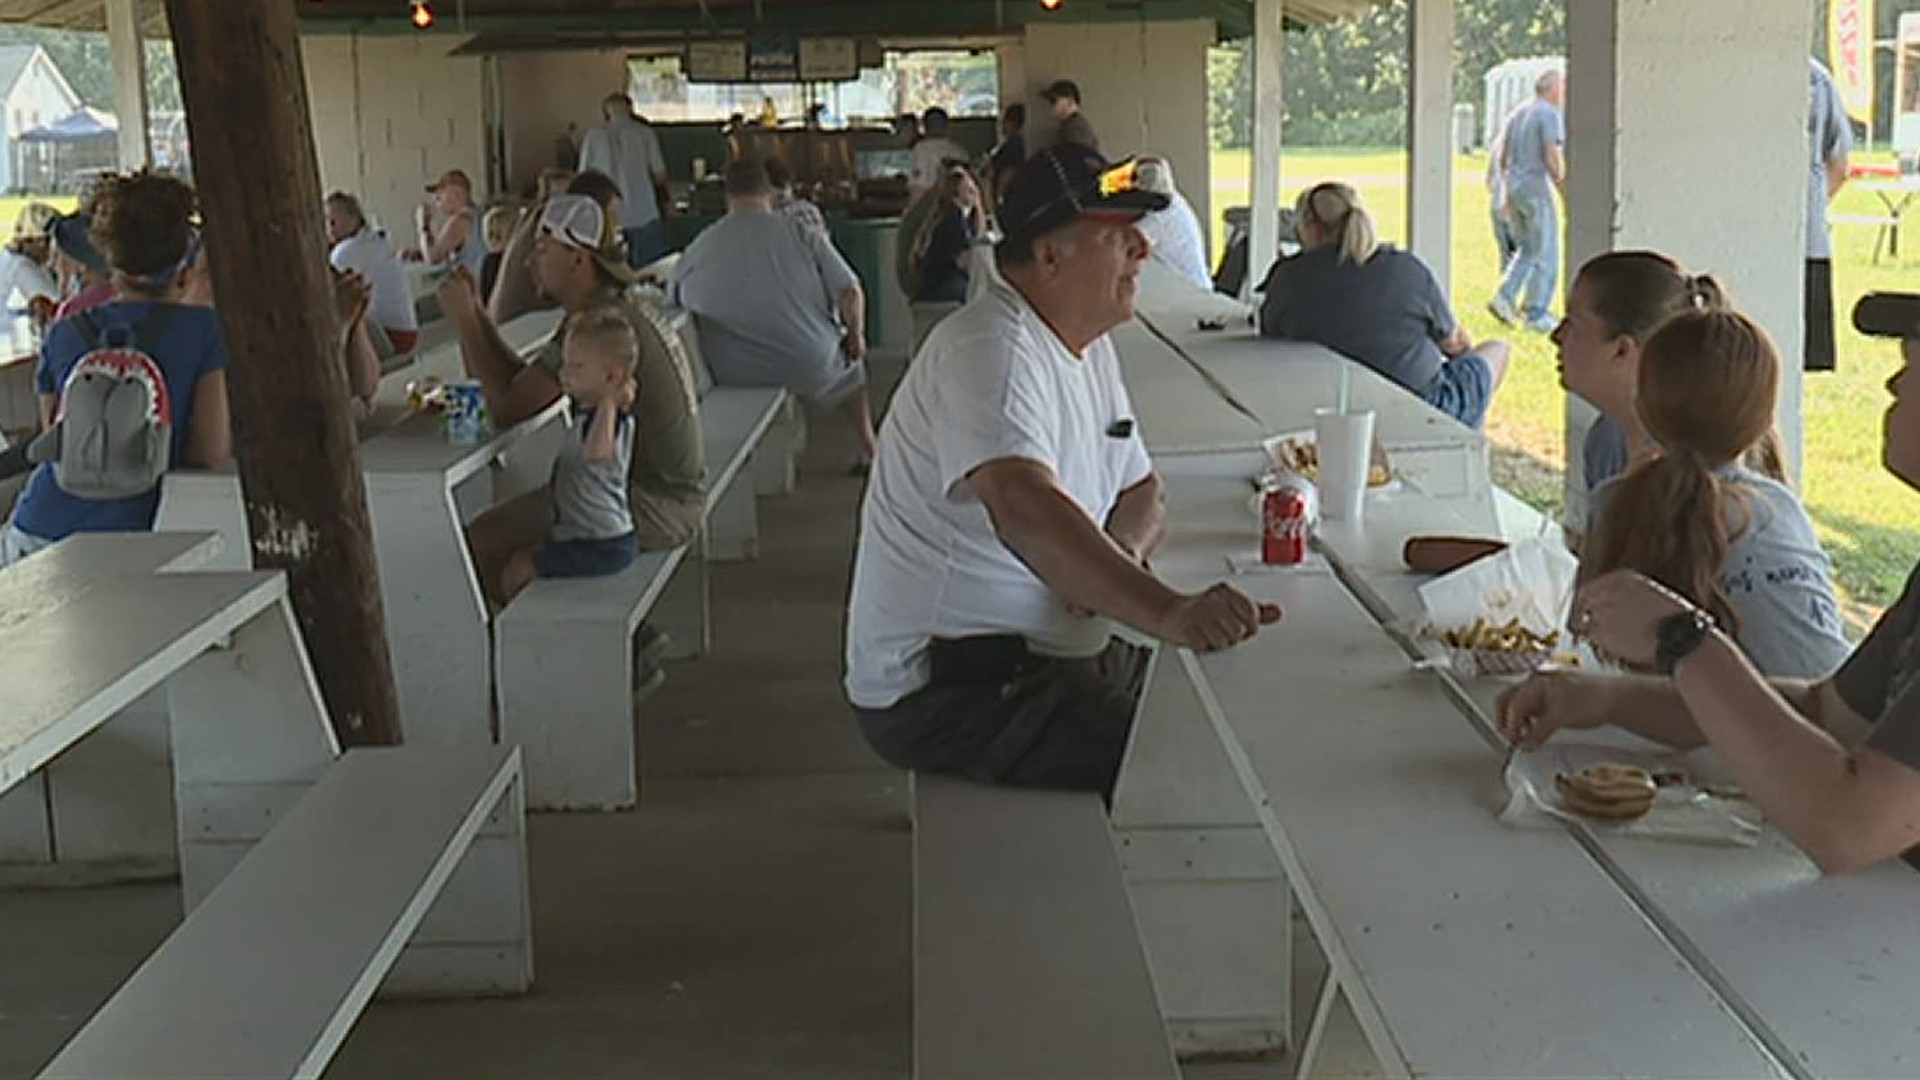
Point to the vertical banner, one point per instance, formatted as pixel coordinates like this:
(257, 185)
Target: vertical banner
(1850, 55)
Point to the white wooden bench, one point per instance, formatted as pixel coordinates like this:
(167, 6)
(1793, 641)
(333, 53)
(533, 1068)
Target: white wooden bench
(1026, 958)
(394, 849)
(563, 661)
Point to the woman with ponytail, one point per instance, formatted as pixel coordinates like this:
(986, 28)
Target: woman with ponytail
(1618, 300)
(1694, 517)
(1378, 305)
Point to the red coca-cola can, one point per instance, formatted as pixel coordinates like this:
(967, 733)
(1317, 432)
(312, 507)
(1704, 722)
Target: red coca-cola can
(1285, 523)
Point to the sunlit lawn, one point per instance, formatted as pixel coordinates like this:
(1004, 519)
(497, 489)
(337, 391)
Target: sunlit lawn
(1869, 521)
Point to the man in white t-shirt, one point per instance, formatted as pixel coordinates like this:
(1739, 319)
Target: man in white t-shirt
(357, 247)
(934, 152)
(1175, 232)
(1011, 511)
(628, 150)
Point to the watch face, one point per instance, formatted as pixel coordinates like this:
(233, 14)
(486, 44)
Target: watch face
(1680, 635)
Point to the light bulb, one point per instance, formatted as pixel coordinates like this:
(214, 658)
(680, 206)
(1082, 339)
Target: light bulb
(422, 14)
(1051, 5)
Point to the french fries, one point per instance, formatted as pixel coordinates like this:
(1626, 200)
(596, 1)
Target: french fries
(1487, 636)
(1304, 458)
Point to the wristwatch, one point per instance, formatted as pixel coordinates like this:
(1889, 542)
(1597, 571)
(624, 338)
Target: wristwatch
(1678, 636)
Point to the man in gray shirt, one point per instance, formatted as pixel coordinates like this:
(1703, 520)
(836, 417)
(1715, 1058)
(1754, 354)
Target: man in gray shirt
(1829, 144)
(776, 305)
(1535, 165)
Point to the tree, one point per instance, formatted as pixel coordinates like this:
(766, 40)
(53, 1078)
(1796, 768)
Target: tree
(1346, 82)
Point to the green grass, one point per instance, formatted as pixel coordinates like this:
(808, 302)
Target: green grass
(1866, 518)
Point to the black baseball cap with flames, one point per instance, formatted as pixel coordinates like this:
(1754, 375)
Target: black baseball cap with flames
(1055, 187)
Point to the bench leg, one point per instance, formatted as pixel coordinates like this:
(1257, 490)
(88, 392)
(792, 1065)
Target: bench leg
(250, 735)
(733, 528)
(1213, 905)
(1317, 1029)
(111, 797)
(566, 697)
(773, 459)
(437, 619)
(477, 938)
(684, 611)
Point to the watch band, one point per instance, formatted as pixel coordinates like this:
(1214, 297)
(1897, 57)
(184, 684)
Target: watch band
(1678, 636)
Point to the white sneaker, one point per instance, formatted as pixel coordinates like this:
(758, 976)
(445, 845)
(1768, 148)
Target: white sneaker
(1503, 311)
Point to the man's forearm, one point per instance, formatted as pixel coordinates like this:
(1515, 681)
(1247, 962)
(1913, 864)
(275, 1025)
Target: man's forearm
(852, 305)
(1139, 519)
(1083, 565)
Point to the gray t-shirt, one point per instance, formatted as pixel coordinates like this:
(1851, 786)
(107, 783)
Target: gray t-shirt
(1388, 312)
(1829, 137)
(762, 290)
(590, 497)
(1776, 577)
(1529, 133)
(1604, 454)
(1881, 680)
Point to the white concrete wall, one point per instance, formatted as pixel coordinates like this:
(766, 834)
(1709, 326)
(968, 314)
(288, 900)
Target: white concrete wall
(544, 92)
(1687, 133)
(1144, 87)
(390, 114)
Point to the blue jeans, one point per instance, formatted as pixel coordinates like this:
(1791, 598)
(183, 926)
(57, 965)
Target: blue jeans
(1536, 269)
(646, 244)
(1503, 240)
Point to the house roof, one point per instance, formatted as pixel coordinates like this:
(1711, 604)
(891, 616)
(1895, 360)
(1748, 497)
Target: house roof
(13, 64)
(684, 17)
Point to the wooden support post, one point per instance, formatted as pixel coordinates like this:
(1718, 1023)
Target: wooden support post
(246, 98)
(129, 82)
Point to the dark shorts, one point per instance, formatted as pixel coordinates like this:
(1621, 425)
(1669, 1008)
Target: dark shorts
(585, 558)
(1821, 354)
(1462, 390)
(1046, 723)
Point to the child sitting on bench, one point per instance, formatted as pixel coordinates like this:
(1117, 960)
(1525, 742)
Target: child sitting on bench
(592, 533)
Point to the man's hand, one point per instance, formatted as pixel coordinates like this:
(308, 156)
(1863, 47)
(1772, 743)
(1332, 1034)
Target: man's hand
(855, 344)
(628, 393)
(1216, 619)
(459, 295)
(351, 295)
(1530, 713)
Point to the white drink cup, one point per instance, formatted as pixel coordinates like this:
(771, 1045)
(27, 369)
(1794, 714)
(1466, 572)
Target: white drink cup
(1346, 453)
(699, 169)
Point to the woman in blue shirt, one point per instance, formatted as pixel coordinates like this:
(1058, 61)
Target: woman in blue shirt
(1378, 305)
(143, 225)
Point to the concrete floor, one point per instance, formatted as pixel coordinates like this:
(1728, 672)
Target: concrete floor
(751, 919)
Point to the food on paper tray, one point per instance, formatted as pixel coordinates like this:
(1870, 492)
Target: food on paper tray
(1486, 636)
(1445, 554)
(1608, 790)
(1303, 456)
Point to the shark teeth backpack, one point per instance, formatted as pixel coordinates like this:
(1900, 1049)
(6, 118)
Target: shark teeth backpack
(112, 434)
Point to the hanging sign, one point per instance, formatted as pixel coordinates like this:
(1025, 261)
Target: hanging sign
(828, 59)
(717, 61)
(773, 60)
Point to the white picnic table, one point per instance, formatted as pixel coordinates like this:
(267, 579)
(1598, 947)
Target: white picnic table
(1452, 937)
(85, 634)
(1807, 972)
(422, 492)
